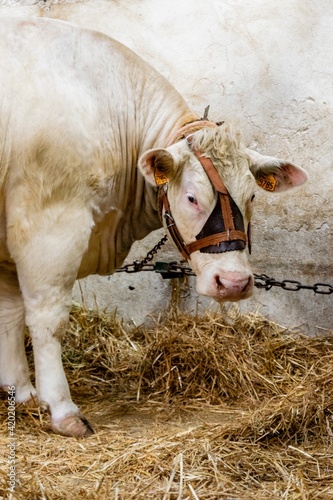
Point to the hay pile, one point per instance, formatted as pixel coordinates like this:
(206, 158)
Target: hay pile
(192, 408)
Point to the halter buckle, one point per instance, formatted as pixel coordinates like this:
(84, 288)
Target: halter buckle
(169, 220)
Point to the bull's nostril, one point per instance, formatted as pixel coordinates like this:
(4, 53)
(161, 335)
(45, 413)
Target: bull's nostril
(219, 284)
(246, 285)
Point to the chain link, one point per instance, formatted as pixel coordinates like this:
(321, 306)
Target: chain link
(170, 270)
(263, 281)
(142, 265)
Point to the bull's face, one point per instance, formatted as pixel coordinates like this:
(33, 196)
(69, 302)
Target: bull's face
(195, 204)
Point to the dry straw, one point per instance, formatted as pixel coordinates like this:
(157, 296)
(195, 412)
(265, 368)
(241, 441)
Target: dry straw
(191, 408)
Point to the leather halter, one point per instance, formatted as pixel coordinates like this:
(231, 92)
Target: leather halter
(224, 228)
(189, 128)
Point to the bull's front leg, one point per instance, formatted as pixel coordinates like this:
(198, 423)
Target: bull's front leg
(47, 262)
(47, 318)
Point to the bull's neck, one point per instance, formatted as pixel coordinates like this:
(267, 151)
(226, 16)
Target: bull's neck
(157, 115)
(159, 128)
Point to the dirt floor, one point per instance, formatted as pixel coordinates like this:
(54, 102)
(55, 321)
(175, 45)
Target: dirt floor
(191, 408)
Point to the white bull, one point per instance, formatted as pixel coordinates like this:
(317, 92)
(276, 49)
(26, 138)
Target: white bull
(79, 113)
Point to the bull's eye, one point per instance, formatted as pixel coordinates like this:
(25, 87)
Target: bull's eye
(192, 199)
(252, 197)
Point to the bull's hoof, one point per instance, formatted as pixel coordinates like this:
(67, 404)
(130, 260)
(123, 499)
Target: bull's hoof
(72, 426)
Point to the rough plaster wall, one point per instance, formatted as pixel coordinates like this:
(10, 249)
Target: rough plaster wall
(267, 67)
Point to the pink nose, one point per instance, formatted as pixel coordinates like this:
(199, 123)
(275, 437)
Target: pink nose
(233, 286)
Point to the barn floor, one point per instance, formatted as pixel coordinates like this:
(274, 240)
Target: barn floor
(195, 408)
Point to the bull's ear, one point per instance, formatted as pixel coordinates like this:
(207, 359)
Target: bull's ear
(275, 175)
(157, 166)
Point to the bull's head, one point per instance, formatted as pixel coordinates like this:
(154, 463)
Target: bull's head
(208, 182)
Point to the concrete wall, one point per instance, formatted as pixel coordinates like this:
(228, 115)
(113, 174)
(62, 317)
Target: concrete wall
(267, 67)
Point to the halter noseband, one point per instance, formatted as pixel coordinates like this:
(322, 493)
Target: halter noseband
(224, 229)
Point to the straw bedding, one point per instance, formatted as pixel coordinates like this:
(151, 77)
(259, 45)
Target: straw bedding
(192, 407)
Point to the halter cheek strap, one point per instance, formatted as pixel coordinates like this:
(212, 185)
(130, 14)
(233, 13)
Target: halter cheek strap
(224, 228)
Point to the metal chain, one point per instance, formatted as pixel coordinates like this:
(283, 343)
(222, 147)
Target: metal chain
(174, 270)
(263, 281)
(142, 265)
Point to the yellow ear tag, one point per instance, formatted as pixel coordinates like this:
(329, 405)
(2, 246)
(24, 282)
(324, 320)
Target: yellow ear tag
(160, 178)
(267, 182)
